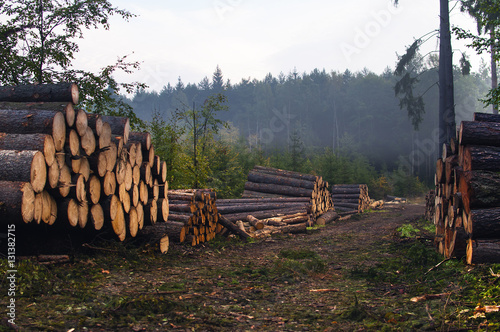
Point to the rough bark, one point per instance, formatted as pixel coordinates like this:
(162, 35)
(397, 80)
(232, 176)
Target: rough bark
(24, 166)
(60, 92)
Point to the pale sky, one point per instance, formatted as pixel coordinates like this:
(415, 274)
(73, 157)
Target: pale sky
(250, 38)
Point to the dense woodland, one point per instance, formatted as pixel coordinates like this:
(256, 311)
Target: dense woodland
(346, 126)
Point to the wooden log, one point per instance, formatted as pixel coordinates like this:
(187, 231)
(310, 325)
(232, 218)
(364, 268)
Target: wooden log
(151, 211)
(479, 133)
(233, 228)
(486, 117)
(66, 108)
(64, 184)
(97, 216)
(264, 214)
(142, 137)
(134, 194)
(39, 142)
(143, 192)
(105, 136)
(242, 208)
(132, 220)
(98, 163)
(293, 229)
(119, 126)
(221, 202)
(327, 218)
(140, 215)
(483, 251)
(440, 171)
(88, 142)
(72, 145)
(94, 122)
(124, 197)
(111, 157)
(296, 219)
(346, 191)
(84, 168)
(345, 196)
(83, 213)
(110, 207)
(163, 209)
(347, 205)
(24, 166)
(164, 244)
(53, 176)
(81, 123)
(109, 184)
(477, 157)
(278, 189)
(254, 222)
(17, 201)
(258, 177)
(68, 210)
(479, 189)
(121, 169)
(78, 188)
(163, 173)
(35, 122)
(118, 223)
(281, 172)
(59, 92)
(485, 223)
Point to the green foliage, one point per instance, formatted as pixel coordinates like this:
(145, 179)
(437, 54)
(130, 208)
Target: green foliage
(408, 230)
(38, 45)
(406, 185)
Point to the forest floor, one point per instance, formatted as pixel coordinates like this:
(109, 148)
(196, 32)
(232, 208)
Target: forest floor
(354, 275)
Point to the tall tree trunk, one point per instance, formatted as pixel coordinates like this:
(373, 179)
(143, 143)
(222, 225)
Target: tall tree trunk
(494, 78)
(446, 100)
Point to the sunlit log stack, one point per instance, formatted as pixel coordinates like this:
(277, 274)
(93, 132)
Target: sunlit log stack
(266, 182)
(467, 203)
(193, 216)
(350, 197)
(63, 167)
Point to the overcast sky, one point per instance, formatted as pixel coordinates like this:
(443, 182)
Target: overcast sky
(250, 38)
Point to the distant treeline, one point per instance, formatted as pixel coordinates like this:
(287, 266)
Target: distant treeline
(351, 113)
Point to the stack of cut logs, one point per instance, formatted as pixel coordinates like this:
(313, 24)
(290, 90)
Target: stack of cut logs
(63, 166)
(266, 182)
(467, 198)
(351, 197)
(193, 216)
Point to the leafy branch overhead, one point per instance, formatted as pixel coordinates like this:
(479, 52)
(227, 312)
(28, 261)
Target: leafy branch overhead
(38, 40)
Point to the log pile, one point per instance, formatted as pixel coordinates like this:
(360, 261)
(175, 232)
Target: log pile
(62, 166)
(193, 216)
(266, 182)
(351, 197)
(467, 200)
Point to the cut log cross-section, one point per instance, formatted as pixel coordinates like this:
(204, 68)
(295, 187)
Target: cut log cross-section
(17, 201)
(25, 166)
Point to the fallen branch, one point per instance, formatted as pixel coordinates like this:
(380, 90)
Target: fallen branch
(428, 297)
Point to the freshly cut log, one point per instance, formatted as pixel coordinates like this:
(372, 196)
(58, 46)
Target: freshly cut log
(164, 244)
(478, 157)
(345, 191)
(121, 168)
(78, 188)
(35, 122)
(163, 173)
(97, 216)
(66, 108)
(278, 189)
(124, 198)
(88, 142)
(131, 148)
(119, 126)
(53, 173)
(111, 157)
(440, 171)
(257, 177)
(293, 229)
(109, 184)
(485, 223)
(39, 142)
(118, 223)
(265, 214)
(129, 176)
(483, 251)
(68, 210)
(146, 173)
(249, 207)
(327, 217)
(94, 122)
(479, 189)
(60, 92)
(81, 123)
(118, 141)
(84, 168)
(136, 174)
(133, 222)
(221, 202)
(143, 192)
(105, 136)
(17, 201)
(134, 194)
(156, 169)
(98, 163)
(254, 222)
(140, 215)
(151, 211)
(24, 166)
(163, 209)
(486, 117)
(154, 190)
(286, 173)
(142, 137)
(46, 206)
(479, 133)
(250, 194)
(175, 231)
(110, 206)
(179, 217)
(94, 189)
(233, 228)
(347, 205)
(72, 145)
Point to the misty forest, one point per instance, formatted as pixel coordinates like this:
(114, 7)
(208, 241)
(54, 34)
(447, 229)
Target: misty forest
(347, 126)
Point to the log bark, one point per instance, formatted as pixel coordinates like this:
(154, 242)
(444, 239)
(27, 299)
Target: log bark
(97, 216)
(241, 208)
(17, 201)
(486, 117)
(81, 122)
(66, 108)
(258, 177)
(264, 214)
(222, 202)
(142, 137)
(132, 220)
(477, 157)
(35, 122)
(118, 223)
(68, 210)
(479, 133)
(60, 92)
(120, 126)
(254, 222)
(278, 189)
(479, 189)
(327, 218)
(483, 251)
(24, 166)
(39, 142)
(292, 174)
(94, 122)
(485, 223)
(233, 228)
(163, 209)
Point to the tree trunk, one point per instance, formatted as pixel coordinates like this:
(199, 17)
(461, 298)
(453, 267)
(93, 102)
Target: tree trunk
(258, 177)
(278, 189)
(233, 228)
(97, 216)
(281, 172)
(222, 202)
(66, 108)
(241, 208)
(483, 251)
(479, 133)
(35, 122)
(485, 223)
(61, 92)
(327, 218)
(120, 126)
(39, 142)
(141, 137)
(17, 201)
(479, 189)
(477, 157)
(82, 122)
(486, 117)
(265, 214)
(25, 166)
